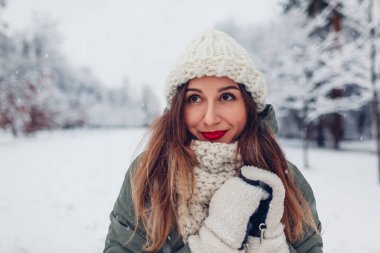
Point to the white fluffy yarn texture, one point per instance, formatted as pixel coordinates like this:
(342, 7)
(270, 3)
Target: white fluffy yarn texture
(214, 53)
(216, 165)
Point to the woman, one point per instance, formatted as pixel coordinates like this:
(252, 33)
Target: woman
(213, 178)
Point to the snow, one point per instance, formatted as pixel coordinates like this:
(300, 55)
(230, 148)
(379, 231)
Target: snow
(347, 189)
(58, 188)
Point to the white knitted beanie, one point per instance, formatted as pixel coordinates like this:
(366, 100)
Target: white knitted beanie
(214, 53)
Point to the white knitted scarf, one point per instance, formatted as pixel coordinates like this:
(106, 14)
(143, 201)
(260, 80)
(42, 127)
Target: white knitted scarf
(217, 162)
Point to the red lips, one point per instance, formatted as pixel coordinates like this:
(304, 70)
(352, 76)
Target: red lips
(213, 135)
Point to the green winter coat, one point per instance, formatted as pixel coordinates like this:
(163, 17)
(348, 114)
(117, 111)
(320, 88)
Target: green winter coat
(122, 217)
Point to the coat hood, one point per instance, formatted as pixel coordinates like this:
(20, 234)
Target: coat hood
(269, 118)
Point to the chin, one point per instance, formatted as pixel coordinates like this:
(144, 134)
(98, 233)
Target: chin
(227, 141)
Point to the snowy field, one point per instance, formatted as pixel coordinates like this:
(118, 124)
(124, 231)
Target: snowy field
(57, 190)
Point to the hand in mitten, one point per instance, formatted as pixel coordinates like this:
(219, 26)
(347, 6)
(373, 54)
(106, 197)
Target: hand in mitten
(230, 208)
(267, 218)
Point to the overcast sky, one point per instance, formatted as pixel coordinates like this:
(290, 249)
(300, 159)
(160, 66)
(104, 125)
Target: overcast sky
(138, 39)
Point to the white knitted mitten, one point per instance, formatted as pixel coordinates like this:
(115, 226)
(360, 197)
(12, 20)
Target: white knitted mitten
(230, 208)
(273, 237)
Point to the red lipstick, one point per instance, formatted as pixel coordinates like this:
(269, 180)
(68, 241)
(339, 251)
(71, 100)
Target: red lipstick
(213, 135)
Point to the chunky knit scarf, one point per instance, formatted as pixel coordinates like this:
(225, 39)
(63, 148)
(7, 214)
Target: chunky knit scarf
(217, 162)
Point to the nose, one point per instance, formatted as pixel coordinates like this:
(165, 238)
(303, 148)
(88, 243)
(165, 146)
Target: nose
(211, 116)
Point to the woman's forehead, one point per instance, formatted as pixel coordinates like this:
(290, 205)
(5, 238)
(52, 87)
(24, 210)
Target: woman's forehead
(211, 81)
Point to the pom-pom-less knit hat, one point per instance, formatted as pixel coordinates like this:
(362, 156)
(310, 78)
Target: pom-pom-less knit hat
(214, 53)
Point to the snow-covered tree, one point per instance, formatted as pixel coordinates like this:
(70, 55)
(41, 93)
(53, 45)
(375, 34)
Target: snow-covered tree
(39, 89)
(32, 96)
(339, 76)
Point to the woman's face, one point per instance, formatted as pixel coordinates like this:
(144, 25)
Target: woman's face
(214, 109)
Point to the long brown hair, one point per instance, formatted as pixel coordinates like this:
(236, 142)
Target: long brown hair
(168, 161)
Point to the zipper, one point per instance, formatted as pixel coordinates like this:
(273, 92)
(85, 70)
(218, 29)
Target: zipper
(262, 228)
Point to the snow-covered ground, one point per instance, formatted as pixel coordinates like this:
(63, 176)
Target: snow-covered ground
(57, 189)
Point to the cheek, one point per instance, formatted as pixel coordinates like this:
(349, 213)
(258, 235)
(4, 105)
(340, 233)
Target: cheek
(190, 117)
(241, 122)
(238, 118)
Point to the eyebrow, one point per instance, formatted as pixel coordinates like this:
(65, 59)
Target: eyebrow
(221, 89)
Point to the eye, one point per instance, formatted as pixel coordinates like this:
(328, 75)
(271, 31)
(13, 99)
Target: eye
(227, 97)
(193, 99)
